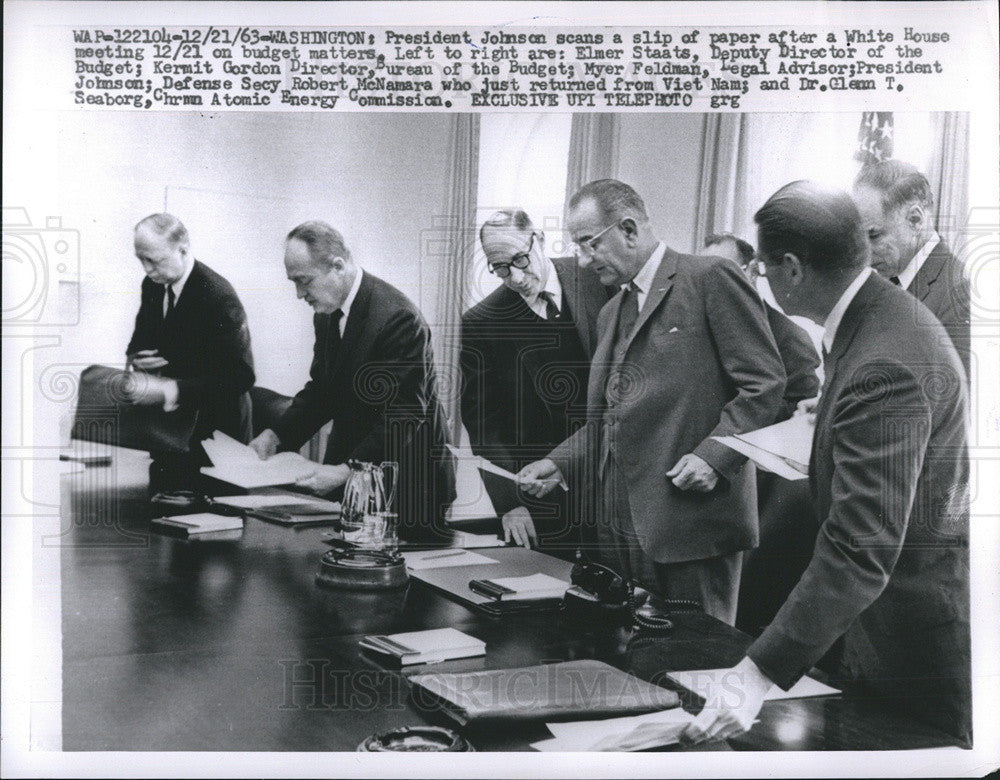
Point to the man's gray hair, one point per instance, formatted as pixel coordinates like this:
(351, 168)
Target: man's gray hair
(166, 226)
(324, 242)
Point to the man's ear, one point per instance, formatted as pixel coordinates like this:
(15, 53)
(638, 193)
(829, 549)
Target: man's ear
(793, 265)
(630, 229)
(337, 263)
(915, 216)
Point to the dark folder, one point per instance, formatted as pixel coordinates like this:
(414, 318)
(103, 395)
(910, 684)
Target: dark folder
(570, 690)
(104, 415)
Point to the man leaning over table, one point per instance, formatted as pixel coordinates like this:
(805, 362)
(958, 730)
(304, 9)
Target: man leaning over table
(889, 475)
(372, 374)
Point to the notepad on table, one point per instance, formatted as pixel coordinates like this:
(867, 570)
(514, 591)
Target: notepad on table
(284, 508)
(200, 523)
(423, 647)
(530, 588)
(440, 559)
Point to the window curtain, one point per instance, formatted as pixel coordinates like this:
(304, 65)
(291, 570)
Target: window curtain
(458, 243)
(948, 172)
(593, 150)
(722, 166)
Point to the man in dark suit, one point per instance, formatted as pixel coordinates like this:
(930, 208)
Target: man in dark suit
(526, 352)
(684, 354)
(372, 374)
(896, 202)
(787, 525)
(191, 341)
(794, 345)
(889, 473)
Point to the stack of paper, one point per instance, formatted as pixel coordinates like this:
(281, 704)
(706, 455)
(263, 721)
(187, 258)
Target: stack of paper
(426, 647)
(440, 559)
(638, 732)
(239, 465)
(783, 448)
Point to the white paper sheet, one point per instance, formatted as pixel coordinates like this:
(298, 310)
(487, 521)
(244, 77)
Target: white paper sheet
(636, 732)
(440, 559)
(701, 680)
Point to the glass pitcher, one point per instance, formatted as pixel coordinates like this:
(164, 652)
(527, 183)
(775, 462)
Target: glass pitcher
(368, 517)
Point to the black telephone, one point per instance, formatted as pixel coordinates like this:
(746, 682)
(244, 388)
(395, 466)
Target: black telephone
(601, 598)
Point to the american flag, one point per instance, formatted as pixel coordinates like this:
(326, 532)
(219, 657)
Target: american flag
(874, 137)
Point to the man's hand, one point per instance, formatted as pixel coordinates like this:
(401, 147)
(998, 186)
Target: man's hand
(807, 408)
(325, 479)
(266, 444)
(518, 525)
(731, 705)
(148, 360)
(693, 473)
(538, 478)
(147, 389)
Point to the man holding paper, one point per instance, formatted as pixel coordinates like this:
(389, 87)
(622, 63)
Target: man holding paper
(889, 474)
(684, 354)
(372, 374)
(526, 350)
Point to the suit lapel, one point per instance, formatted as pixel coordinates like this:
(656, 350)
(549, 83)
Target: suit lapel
(663, 280)
(601, 362)
(183, 301)
(356, 319)
(571, 300)
(929, 272)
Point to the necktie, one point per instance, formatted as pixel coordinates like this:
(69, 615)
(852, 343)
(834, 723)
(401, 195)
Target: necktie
(895, 280)
(627, 315)
(551, 310)
(171, 300)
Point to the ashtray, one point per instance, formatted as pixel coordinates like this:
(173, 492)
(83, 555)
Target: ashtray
(361, 570)
(416, 739)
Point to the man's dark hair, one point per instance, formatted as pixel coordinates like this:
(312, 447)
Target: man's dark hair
(899, 182)
(821, 227)
(324, 242)
(743, 247)
(616, 199)
(166, 226)
(516, 218)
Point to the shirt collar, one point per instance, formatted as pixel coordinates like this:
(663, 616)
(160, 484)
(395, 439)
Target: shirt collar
(552, 287)
(837, 313)
(351, 295)
(644, 279)
(916, 263)
(179, 284)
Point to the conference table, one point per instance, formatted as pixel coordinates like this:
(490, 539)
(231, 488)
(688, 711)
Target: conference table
(177, 644)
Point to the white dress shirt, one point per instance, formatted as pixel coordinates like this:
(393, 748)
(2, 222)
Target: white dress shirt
(836, 314)
(907, 275)
(552, 286)
(644, 279)
(349, 300)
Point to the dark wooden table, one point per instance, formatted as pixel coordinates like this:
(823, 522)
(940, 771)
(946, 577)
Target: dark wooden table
(171, 644)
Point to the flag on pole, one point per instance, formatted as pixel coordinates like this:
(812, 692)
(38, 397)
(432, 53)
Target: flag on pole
(874, 137)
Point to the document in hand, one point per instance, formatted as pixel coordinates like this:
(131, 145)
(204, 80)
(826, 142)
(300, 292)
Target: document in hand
(638, 732)
(200, 523)
(425, 647)
(565, 690)
(530, 588)
(783, 448)
(704, 681)
(239, 465)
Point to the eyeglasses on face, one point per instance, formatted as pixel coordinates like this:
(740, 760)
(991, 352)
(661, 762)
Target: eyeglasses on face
(588, 244)
(520, 260)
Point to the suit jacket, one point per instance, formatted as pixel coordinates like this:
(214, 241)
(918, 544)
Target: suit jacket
(700, 362)
(379, 390)
(889, 474)
(798, 355)
(522, 382)
(206, 341)
(941, 286)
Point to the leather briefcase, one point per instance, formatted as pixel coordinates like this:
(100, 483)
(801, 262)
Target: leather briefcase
(570, 690)
(103, 414)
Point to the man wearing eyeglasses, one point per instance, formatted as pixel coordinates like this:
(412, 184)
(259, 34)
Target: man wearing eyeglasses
(684, 354)
(526, 352)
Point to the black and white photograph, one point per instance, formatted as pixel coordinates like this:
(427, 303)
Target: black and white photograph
(523, 378)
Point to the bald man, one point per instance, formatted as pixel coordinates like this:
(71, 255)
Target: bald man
(192, 343)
